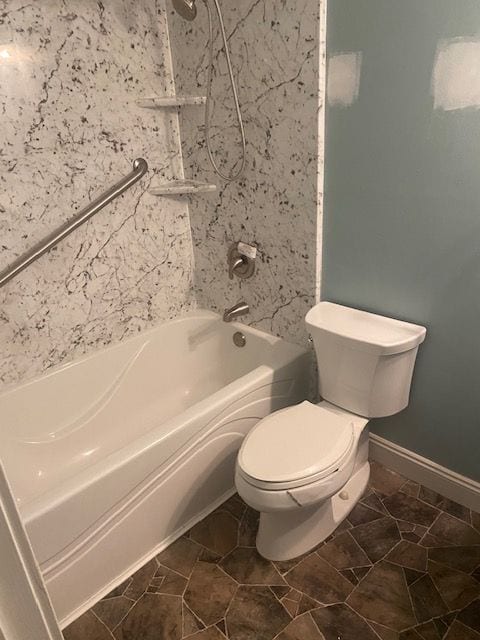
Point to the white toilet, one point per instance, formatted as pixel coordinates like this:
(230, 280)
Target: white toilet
(305, 467)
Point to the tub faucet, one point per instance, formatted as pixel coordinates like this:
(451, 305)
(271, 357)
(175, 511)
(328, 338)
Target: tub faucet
(239, 309)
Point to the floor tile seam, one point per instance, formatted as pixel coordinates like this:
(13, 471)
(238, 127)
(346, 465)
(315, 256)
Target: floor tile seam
(384, 556)
(315, 623)
(227, 610)
(379, 497)
(143, 592)
(373, 630)
(103, 624)
(270, 586)
(470, 511)
(219, 630)
(306, 613)
(187, 606)
(221, 509)
(105, 599)
(410, 598)
(126, 614)
(295, 565)
(320, 604)
(156, 591)
(184, 589)
(204, 548)
(440, 596)
(366, 496)
(346, 568)
(369, 621)
(433, 524)
(193, 635)
(403, 566)
(358, 614)
(419, 624)
(450, 514)
(260, 584)
(220, 568)
(108, 597)
(164, 566)
(460, 520)
(465, 625)
(198, 615)
(360, 582)
(161, 578)
(448, 627)
(447, 566)
(272, 564)
(287, 611)
(415, 524)
(362, 550)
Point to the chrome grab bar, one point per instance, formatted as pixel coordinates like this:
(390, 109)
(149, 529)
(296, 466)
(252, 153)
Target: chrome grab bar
(140, 168)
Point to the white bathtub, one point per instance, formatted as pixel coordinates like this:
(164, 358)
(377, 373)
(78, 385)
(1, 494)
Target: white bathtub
(114, 456)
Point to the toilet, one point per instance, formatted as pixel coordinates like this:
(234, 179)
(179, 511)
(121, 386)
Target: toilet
(305, 467)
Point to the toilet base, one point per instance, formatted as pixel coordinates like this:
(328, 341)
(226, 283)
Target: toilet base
(285, 535)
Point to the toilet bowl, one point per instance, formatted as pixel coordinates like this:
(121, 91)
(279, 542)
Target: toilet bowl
(305, 467)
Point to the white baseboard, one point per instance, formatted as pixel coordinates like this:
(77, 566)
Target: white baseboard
(432, 475)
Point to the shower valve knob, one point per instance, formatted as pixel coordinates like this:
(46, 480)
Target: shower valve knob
(241, 260)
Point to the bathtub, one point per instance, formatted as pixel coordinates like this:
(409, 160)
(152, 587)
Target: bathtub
(114, 456)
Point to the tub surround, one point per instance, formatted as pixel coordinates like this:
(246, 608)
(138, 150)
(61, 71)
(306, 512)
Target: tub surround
(70, 79)
(275, 56)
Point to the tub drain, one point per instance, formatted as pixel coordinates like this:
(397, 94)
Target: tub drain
(239, 340)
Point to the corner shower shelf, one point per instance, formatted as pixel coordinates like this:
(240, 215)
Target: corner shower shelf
(181, 187)
(160, 102)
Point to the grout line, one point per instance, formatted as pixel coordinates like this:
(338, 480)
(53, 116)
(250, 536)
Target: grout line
(410, 597)
(369, 621)
(433, 523)
(126, 614)
(229, 576)
(314, 622)
(228, 608)
(103, 624)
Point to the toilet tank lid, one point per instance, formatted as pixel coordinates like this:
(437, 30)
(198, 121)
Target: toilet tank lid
(368, 331)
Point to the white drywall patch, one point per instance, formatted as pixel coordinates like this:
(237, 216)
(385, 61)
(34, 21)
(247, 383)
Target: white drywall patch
(456, 75)
(343, 79)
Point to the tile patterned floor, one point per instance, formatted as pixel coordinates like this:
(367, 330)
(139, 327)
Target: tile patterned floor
(405, 566)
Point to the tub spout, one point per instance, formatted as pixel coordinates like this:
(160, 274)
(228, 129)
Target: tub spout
(239, 309)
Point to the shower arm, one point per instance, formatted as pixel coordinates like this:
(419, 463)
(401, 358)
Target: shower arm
(140, 168)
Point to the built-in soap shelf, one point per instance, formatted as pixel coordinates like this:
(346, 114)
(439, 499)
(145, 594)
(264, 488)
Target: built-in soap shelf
(181, 187)
(161, 102)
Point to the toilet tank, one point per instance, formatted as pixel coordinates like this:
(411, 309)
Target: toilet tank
(365, 361)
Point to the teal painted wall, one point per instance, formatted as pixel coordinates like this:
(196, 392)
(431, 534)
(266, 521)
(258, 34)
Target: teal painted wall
(402, 208)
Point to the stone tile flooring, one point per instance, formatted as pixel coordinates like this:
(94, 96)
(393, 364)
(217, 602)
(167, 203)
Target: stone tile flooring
(405, 566)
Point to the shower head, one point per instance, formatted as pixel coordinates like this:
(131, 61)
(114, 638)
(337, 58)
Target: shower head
(185, 8)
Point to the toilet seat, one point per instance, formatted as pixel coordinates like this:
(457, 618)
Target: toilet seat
(297, 446)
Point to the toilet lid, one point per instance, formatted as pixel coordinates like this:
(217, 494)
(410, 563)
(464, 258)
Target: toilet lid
(297, 443)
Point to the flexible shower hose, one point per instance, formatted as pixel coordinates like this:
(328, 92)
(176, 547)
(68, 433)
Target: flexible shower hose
(232, 176)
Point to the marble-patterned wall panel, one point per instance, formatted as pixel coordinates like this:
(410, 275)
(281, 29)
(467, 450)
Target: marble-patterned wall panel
(275, 55)
(70, 72)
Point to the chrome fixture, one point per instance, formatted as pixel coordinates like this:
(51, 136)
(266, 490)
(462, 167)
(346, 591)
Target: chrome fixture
(188, 11)
(241, 260)
(233, 265)
(185, 8)
(140, 167)
(239, 339)
(239, 309)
